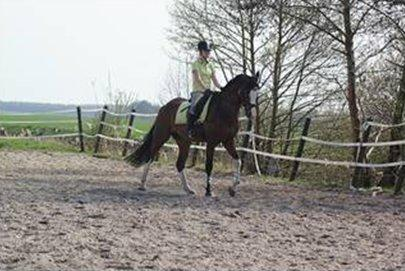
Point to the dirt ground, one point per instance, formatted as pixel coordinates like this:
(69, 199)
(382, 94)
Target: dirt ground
(70, 211)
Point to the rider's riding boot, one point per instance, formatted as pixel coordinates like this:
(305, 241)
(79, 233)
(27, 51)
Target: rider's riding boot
(191, 119)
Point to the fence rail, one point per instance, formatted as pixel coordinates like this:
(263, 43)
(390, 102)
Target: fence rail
(38, 122)
(303, 138)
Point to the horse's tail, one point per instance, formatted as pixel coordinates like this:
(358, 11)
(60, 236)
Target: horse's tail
(142, 154)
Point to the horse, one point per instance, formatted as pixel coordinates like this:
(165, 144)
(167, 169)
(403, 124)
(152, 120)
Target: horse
(220, 126)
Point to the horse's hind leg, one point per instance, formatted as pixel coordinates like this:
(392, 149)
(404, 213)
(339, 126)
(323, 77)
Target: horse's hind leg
(184, 147)
(145, 175)
(230, 147)
(160, 135)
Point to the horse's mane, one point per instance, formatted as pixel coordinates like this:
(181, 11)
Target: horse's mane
(234, 81)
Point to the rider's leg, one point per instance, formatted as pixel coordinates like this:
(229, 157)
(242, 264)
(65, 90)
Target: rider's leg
(199, 107)
(191, 119)
(192, 113)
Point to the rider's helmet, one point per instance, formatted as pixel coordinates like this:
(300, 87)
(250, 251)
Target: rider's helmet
(204, 46)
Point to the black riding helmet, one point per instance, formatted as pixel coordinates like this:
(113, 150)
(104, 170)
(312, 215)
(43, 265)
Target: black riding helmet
(204, 46)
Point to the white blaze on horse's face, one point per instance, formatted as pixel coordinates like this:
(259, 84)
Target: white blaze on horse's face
(253, 96)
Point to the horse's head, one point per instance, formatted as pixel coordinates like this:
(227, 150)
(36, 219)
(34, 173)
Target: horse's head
(246, 88)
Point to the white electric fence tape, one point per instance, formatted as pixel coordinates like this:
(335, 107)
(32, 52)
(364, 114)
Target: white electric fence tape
(37, 122)
(248, 150)
(39, 137)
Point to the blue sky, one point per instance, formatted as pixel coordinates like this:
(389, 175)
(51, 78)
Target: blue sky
(52, 50)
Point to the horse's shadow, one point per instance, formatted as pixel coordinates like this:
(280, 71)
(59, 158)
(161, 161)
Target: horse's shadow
(251, 196)
(170, 197)
(132, 195)
(267, 199)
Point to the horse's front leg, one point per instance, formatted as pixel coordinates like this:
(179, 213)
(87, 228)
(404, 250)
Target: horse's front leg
(230, 147)
(208, 167)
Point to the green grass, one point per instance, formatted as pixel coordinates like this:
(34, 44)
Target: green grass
(44, 117)
(144, 124)
(40, 128)
(305, 183)
(28, 144)
(90, 126)
(37, 129)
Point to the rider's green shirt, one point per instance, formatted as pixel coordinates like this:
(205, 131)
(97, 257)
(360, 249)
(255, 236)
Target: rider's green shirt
(205, 70)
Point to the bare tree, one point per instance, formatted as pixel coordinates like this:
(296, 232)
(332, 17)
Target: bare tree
(296, 57)
(345, 23)
(177, 81)
(315, 56)
(234, 27)
(258, 35)
(392, 17)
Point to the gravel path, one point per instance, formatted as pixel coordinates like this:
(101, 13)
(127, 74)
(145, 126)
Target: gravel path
(70, 211)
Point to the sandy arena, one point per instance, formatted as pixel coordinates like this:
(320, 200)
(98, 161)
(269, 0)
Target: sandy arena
(70, 211)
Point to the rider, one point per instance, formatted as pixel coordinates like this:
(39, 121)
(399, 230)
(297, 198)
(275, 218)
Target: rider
(203, 72)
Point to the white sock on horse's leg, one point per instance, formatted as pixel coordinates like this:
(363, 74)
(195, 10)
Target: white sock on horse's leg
(184, 183)
(208, 191)
(237, 163)
(145, 174)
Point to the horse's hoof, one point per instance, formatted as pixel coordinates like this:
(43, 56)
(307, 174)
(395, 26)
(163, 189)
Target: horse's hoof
(141, 188)
(208, 194)
(232, 192)
(190, 192)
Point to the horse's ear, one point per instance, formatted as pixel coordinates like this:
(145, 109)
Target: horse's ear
(257, 76)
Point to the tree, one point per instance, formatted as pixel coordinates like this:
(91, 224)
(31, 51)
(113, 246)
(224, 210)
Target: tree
(344, 23)
(233, 26)
(392, 15)
(296, 57)
(177, 81)
(252, 35)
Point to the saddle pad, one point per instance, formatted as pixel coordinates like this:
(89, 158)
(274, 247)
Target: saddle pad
(181, 115)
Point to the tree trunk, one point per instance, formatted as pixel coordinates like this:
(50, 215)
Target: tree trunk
(276, 80)
(351, 74)
(247, 164)
(400, 180)
(388, 178)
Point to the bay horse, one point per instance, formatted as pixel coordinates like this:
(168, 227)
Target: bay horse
(220, 126)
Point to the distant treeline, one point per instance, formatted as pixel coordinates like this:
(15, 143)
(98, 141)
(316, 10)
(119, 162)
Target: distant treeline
(24, 107)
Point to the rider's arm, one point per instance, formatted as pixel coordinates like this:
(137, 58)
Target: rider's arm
(215, 81)
(196, 79)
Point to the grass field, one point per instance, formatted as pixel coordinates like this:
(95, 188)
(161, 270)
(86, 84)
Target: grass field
(52, 124)
(28, 144)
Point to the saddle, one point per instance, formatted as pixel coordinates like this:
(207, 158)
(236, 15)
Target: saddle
(201, 108)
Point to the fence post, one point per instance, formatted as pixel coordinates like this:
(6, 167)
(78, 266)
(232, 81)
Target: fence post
(129, 131)
(100, 129)
(358, 175)
(80, 128)
(300, 150)
(401, 175)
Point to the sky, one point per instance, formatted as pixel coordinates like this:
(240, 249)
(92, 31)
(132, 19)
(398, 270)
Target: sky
(63, 51)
